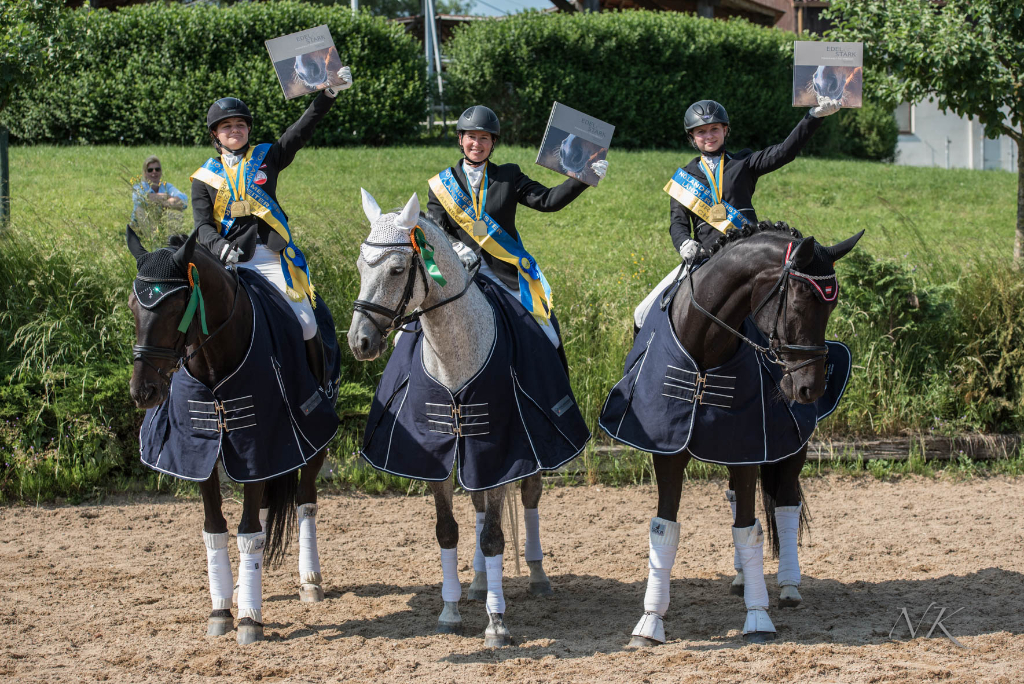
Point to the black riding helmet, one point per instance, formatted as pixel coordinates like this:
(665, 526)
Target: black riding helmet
(226, 108)
(701, 113)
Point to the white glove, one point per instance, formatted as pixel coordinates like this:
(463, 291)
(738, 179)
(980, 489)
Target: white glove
(345, 74)
(826, 106)
(229, 255)
(688, 250)
(600, 167)
(467, 256)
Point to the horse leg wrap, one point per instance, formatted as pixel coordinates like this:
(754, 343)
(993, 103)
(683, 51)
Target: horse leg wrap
(250, 576)
(495, 595)
(787, 521)
(309, 557)
(749, 542)
(532, 519)
(478, 589)
(451, 590)
(218, 566)
(664, 542)
(264, 514)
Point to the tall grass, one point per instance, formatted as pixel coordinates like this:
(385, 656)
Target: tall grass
(930, 304)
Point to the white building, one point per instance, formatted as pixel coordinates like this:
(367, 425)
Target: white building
(930, 138)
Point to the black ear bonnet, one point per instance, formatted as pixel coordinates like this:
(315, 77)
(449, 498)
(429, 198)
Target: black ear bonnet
(819, 273)
(159, 275)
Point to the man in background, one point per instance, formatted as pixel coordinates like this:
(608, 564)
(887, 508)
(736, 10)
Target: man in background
(151, 196)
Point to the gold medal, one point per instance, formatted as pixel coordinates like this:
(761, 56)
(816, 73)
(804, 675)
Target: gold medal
(479, 229)
(718, 213)
(240, 208)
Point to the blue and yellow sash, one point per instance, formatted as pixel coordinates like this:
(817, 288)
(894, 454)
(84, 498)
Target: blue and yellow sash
(696, 197)
(534, 291)
(293, 261)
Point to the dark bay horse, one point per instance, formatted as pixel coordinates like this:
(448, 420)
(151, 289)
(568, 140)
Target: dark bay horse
(787, 285)
(166, 283)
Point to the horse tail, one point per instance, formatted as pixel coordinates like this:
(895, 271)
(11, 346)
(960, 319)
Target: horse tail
(280, 495)
(770, 483)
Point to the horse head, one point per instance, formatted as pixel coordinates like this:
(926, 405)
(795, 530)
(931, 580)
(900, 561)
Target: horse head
(171, 313)
(402, 267)
(791, 304)
(311, 69)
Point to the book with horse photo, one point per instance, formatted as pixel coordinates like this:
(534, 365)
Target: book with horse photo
(305, 62)
(572, 142)
(832, 70)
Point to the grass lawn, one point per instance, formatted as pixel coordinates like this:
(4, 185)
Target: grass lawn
(602, 254)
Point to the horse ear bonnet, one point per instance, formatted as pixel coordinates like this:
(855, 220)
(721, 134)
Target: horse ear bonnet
(159, 275)
(820, 274)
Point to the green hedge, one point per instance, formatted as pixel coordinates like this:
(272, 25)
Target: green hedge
(640, 70)
(147, 74)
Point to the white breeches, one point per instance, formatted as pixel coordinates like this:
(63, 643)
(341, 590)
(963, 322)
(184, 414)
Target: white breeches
(640, 313)
(268, 264)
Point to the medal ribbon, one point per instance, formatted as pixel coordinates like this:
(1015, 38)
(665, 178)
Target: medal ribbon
(293, 261)
(534, 291)
(426, 250)
(696, 197)
(194, 301)
(480, 201)
(238, 191)
(716, 185)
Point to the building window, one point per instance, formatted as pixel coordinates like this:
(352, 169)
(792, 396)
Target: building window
(905, 118)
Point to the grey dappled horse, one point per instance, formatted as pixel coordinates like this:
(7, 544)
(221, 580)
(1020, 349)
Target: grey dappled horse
(458, 335)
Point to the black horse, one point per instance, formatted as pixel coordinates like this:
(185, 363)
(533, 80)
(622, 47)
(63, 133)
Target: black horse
(208, 331)
(769, 288)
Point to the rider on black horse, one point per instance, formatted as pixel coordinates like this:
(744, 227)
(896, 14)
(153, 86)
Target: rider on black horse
(236, 193)
(733, 178)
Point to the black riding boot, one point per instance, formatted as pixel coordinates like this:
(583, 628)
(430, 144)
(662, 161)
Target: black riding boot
(315, 359)
(636, 331)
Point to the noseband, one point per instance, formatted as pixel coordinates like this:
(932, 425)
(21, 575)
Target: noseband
(397, 317)
(775, 348)
(142, 352)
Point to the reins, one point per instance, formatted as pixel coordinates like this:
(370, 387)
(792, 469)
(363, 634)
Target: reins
(775, 349)
(396, 317)
(144, 353)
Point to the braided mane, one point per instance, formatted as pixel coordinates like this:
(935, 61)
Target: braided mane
(751, 229)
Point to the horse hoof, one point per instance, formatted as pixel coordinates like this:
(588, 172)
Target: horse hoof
(497, 635)
(642, 642)
(789, 597)
(311, 593)
(449, 628)
(540, 589)
(220, 623)
(249, 631)
(759, 637)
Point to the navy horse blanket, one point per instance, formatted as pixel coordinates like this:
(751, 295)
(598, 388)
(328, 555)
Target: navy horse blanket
(516, 417)
(267, 418)
(734, 414)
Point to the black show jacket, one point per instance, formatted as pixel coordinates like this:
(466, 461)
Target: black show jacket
(742, 169)
(507, 187)
(279, 156)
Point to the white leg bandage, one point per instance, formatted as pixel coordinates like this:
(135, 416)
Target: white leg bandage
(250, 575)
(787, 521)
(264, 512)
(451, 590)
(478, 557)
(664, 541)
(533, 550)
(495, 596)
(749, 543)
(730, 495)
(309, 557)
(219, 568)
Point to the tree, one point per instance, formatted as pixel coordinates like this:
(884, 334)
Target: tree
(968, 55)
(405, 8)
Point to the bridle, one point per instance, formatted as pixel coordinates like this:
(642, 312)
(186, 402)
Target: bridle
(397, 317)
(142, 352)
(775, 349)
